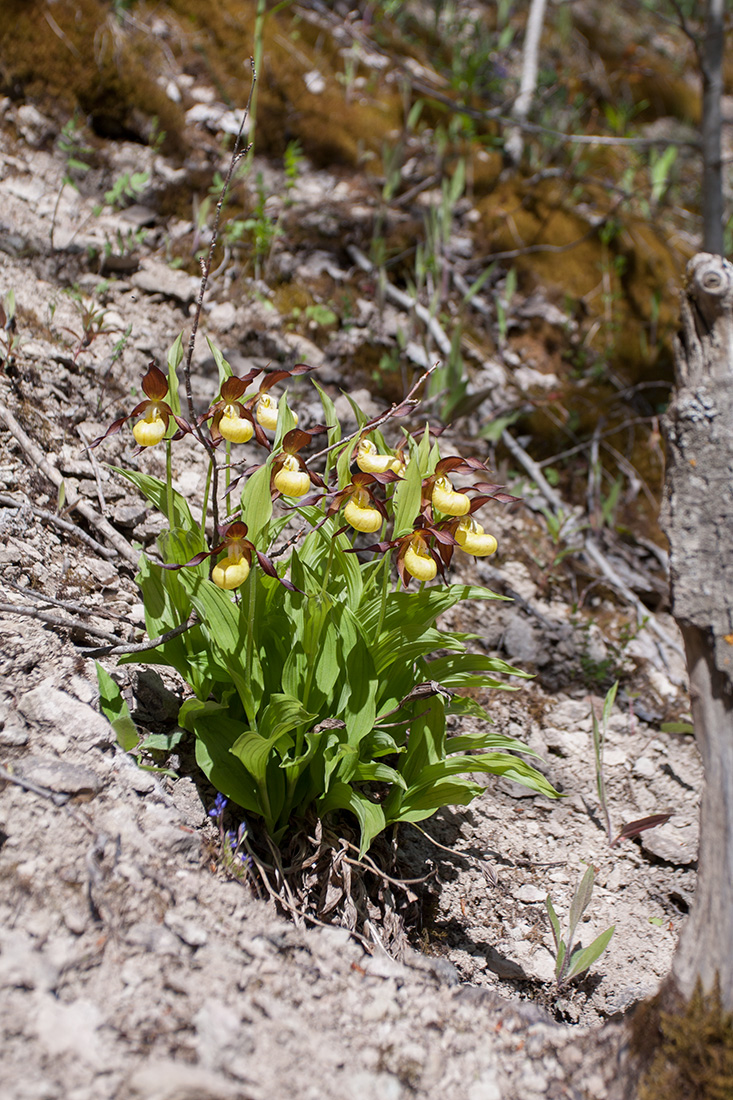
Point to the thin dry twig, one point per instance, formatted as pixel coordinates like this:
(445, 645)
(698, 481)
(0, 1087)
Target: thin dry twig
(372, 425)
(59, 798)
(237, 154)
(299, 914)
(79, 609)
(56, 620)
(141, 647)
(36, 455)
(63, 525)
(95, 467)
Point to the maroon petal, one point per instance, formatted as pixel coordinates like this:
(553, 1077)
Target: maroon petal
(155, 383)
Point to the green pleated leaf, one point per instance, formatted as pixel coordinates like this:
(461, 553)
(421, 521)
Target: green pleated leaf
(583, 958)
(256, 503)
(225, 371)
(175, 358)
(369, 815)
(116, 711)
(580, 901)
(554, 922)
(416, 805)
(407, 499)
(154, 490)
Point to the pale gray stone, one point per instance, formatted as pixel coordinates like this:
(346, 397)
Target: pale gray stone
(48, 705)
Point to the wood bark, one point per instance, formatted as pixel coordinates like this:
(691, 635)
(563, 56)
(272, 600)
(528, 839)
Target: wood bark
(698, 520)
(712, 125)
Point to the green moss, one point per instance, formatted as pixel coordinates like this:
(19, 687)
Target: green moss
(332, 127)
(686, 1048)
(89, 61)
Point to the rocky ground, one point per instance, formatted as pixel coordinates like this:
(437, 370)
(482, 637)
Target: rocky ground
(130, 966)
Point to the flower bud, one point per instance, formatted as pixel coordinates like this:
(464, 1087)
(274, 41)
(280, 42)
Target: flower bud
(419, 562)
(235, 428)
(447, 500)
(291, 480)
(361, 515)
(471, 538)
(150, 429)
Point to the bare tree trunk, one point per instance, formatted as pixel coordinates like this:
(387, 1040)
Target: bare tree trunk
(514, 143)
(698, 519)
(712, 122)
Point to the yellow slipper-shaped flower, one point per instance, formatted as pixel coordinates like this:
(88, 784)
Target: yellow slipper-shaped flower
(235, 428)
(419, 562)
(370, 461)
(266, 412)
(447, 500)
(150, 429)
(291, 479)
(472, 538)
(230, 573)
(360, 513)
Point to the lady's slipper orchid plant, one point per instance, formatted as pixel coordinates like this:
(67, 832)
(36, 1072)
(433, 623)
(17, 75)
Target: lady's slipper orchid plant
(362, 510)
(471, 537)
(290, 475)
(230, 418)
(296, 670)
(153, 426)
(417, 559)
(370, 461)
(265, 404)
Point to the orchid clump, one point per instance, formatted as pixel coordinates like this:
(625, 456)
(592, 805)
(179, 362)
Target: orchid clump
(319, 680)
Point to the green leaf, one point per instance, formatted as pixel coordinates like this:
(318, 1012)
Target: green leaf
(162, 742)
(554, 922)
(215, 734)
(374, 771)
(407, 499)
(580, 902)
(359, 414)
(494, 431)
(257, 503)
(156, 492)
(495, 763)
(582, 958)
(285, 421)
(677, 727)
(330, 417)
(282, 714)
(116, 711)
(369, 815)
(423, 452)
(456, 670)
(175, 358)
(343, 463)
(608, 703)
(225, 371)
(423, 608)
(415, 805)
(221, 621)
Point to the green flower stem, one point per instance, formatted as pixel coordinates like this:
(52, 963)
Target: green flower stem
(385, 589)
(169, 481)
(248, 701)
(205, 507)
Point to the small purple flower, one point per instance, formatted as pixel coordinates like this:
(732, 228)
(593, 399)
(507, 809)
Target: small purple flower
(220, 804)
